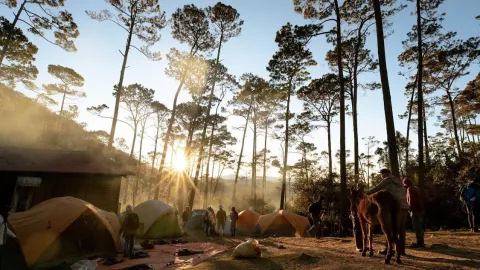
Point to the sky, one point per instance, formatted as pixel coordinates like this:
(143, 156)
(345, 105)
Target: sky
(98, 60)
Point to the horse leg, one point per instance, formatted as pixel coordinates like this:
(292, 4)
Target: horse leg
(402, 233)
(370, 238)
(387, 230)
(363, 226)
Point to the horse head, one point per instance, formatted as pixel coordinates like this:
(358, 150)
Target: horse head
(356, 194)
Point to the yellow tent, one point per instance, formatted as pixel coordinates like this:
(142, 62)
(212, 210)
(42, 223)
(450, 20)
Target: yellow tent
(246, 222)
(283, 223)
(64, 228)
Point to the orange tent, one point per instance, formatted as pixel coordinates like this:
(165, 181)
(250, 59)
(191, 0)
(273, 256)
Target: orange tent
(283, 223)
(246, 222)
(63, 229)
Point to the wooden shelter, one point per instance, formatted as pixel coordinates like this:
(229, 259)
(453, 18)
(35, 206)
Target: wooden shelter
(30, 176)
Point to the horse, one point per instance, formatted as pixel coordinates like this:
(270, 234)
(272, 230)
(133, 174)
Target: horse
(377, 209)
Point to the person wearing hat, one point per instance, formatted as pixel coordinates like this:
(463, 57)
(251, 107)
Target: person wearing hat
(394, 186)
(221, 219)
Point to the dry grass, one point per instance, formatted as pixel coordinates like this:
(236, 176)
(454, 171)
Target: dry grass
(445, 250)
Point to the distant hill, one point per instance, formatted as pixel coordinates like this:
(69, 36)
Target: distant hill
(27, 123)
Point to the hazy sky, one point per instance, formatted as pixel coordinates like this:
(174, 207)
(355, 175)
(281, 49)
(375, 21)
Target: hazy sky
(98, 60)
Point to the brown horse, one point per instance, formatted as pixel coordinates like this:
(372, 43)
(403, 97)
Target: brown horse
(376, 209)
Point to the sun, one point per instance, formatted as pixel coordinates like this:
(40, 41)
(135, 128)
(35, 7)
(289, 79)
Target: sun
(179, 163)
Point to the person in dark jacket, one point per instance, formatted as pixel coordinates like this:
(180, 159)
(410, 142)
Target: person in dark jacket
(314, 210)
(186, 215)
(129, 228)
(221, 219)
(470, 195)
(233, 222)
(417, 211)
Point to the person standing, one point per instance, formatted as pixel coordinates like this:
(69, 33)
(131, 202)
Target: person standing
(314, 210)
(186, 215)
(210, 221)
(395, 187)
(233, 222)
(221, 219)
(4, 232)
(417, 211)
(470, 195)
(129, 228)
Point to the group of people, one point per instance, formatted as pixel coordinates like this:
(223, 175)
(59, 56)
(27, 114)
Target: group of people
(214, 220)
(218, 221)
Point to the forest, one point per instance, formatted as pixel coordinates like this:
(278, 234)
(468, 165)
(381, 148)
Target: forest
(241, 139)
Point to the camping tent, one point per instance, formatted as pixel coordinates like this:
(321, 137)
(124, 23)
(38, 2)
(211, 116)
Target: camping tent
(246, 222)
(282, 223)
(64, 229)
(196, 220)
(158, 220)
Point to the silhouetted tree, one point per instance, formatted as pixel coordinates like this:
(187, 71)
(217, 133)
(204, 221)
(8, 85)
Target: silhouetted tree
(190, 25)
(387, 100)
(288, 69)
(228, 24)
(38, 21)
(18, 66)
(69, 81)
(141, 19)
(321, 103)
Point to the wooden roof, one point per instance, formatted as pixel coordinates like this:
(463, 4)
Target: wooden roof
(14, 159)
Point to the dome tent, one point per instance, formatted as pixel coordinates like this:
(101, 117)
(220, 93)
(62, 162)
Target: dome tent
(282, 223)
(64, 229)
(246, 222)
(196, 221)
(158, 220)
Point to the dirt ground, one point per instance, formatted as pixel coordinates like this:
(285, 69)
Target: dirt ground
(445, 250)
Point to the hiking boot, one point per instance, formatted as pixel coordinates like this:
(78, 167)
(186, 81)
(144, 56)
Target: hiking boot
(416, 245)
(358, 249)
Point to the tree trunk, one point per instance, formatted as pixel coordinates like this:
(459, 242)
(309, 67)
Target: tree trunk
(264, 177)
(330, 158)
(120, 85)
(125, 195)
(167, 136)
(356, 153)
(410, 107)
(154, 157)
(425, 136)
(210, 144)
(387, 100)
(135, 190)
(343, 158)
(420, 110)
(205, 125)
(133, 141)
(285, 156)
(63, 103)
(454, 122)
(254, 160)
(240, 156)
(10, 34)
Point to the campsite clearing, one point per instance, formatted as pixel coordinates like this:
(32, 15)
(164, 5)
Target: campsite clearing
(452, 250)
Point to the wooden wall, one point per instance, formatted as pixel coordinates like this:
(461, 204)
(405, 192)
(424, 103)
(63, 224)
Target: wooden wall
(103, 191)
